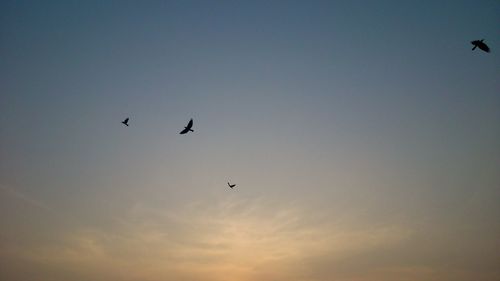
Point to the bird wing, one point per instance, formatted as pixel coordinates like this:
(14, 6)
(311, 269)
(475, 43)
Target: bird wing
(184, 131)
(190, 124)
(125, 121)
(484, 47)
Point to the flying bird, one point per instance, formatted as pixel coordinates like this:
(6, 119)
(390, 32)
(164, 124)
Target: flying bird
(125, 122)
(481, 45)
(188, 127)
(231, 185)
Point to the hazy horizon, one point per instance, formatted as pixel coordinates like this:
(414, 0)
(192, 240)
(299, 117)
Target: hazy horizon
(363, 138)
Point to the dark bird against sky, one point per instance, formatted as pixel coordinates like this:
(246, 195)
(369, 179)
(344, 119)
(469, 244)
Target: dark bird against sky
(125, 122)
(481, 45)
(188, 127)
(231, 185)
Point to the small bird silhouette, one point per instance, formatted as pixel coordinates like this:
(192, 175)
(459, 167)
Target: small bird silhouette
(481, 45)
(188, 127)
(231, 185)
(125, 122)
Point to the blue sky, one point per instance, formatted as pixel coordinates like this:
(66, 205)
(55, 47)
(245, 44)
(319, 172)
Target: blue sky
(363, 137)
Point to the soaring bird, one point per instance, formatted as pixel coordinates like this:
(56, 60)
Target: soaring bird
(125, 122)
(188, 127)
(481, 45)
(231, 185)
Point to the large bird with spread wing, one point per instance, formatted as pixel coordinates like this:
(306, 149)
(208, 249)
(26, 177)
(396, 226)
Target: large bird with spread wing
(188, 128)
(481, 45)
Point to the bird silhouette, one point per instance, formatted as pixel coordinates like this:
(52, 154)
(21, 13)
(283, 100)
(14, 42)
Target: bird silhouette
(481, 45)
(125, 122)
(188, 127)
(231, 185)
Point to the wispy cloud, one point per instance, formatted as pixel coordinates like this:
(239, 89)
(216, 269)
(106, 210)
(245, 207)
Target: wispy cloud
(14, 193)
(233, 240)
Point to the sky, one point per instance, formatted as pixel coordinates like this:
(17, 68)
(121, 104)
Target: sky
(363, 137)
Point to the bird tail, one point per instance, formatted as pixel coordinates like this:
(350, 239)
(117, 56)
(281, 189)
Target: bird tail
(191, 130)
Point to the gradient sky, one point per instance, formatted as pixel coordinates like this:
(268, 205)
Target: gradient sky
(363, 136)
